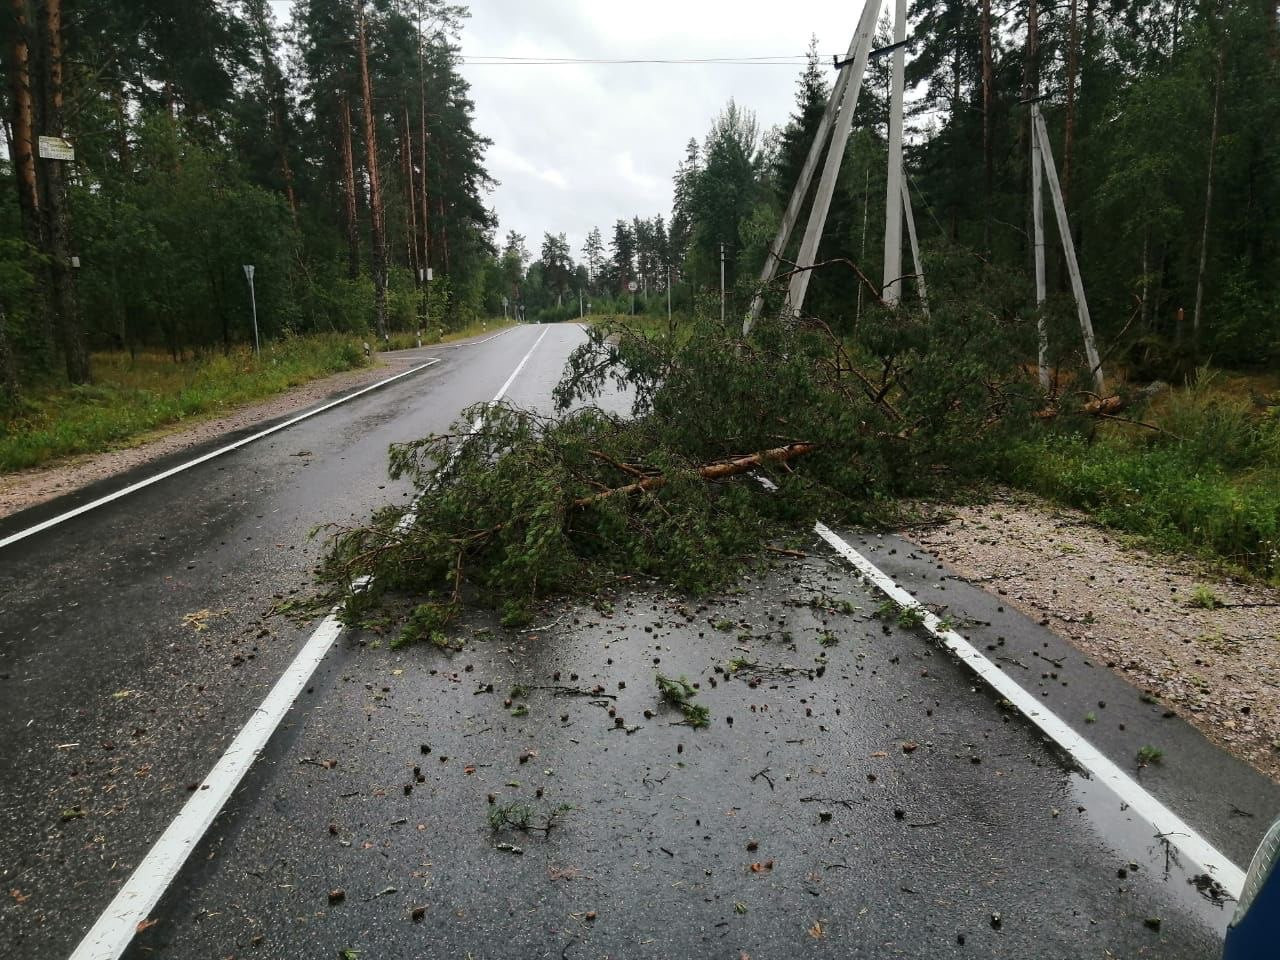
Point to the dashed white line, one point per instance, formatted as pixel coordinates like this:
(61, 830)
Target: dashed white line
(204, 458)
(476, 343)
(115, 928)
(1164, 821)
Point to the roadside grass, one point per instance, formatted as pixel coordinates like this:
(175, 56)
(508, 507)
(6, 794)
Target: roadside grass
(404, 340)
(647, 324)
(133, 396)
(1206, 482)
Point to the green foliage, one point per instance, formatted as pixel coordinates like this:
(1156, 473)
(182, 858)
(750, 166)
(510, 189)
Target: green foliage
(1148, 755)
(680, 693)
(522, 816)
(1208, 482)
(910, 617)
(1204, 598)
(515, 814)
(523, 510)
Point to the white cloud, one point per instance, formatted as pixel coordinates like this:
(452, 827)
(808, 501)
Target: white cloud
(584, 145)
(506, 164)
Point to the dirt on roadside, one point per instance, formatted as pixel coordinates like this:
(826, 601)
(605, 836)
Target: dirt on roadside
(1147, 616)
(27, 488)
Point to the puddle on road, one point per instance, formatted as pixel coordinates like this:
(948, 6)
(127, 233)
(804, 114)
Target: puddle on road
(1135, 843)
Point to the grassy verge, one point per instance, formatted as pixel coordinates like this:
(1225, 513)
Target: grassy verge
(403, 341)
(130, 397)
(1208, 482)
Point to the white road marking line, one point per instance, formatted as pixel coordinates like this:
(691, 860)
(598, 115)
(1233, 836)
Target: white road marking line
(115, 928)
(1164, 821)
(166, 474)
(477, 343)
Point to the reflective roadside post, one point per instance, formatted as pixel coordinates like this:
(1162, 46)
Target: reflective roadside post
(253, 299)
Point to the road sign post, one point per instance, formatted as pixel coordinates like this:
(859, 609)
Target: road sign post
(253, 300)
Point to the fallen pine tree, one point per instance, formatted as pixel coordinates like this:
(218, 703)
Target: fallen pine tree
(535, 506)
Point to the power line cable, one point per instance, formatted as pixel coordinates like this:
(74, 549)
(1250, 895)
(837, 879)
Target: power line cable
(527, 61)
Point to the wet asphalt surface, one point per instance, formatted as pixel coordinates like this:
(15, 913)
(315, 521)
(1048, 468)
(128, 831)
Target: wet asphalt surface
(853, 797)
(136, 639)
(858, 797)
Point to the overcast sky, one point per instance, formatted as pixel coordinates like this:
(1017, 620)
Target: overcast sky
(582, 145)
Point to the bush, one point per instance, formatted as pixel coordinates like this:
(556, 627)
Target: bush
(1167, 493)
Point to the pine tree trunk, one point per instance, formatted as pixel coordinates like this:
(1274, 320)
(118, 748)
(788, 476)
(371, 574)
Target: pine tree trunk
(411, 221)
(273, 83)
(423, 227)
(988, 159)
(444, 235)
(352, 220)
(1273, 29)
(1073, 69)
(1208, 191)
(378, 254)
(8, 366)
(1146, 278)
(1030, 88)
(122, 129)
(56, 216)
(22, 141)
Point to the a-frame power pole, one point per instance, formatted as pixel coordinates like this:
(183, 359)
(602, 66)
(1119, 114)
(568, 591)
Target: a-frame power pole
(1042, 165)
(839, 112)
(841, 106)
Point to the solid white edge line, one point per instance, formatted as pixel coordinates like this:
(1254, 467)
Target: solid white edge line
(1165, 822)
(115, 928)
(204, 458)
(108, 938)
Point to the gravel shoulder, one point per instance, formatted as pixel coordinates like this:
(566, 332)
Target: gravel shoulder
(28, 488)
(1132, 609)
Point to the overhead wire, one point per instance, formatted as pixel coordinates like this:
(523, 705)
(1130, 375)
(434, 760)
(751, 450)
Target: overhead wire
(530, 61)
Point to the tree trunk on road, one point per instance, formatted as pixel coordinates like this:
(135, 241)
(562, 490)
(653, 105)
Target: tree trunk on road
(715, 471)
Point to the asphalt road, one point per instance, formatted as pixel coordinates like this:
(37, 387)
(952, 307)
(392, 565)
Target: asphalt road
(856, 794)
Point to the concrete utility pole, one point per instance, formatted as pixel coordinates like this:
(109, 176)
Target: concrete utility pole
(801, 190)
(253, 300)
(1068, 248)
(1037, 218)
(915, 248)
(835, 153)
(891, 288)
